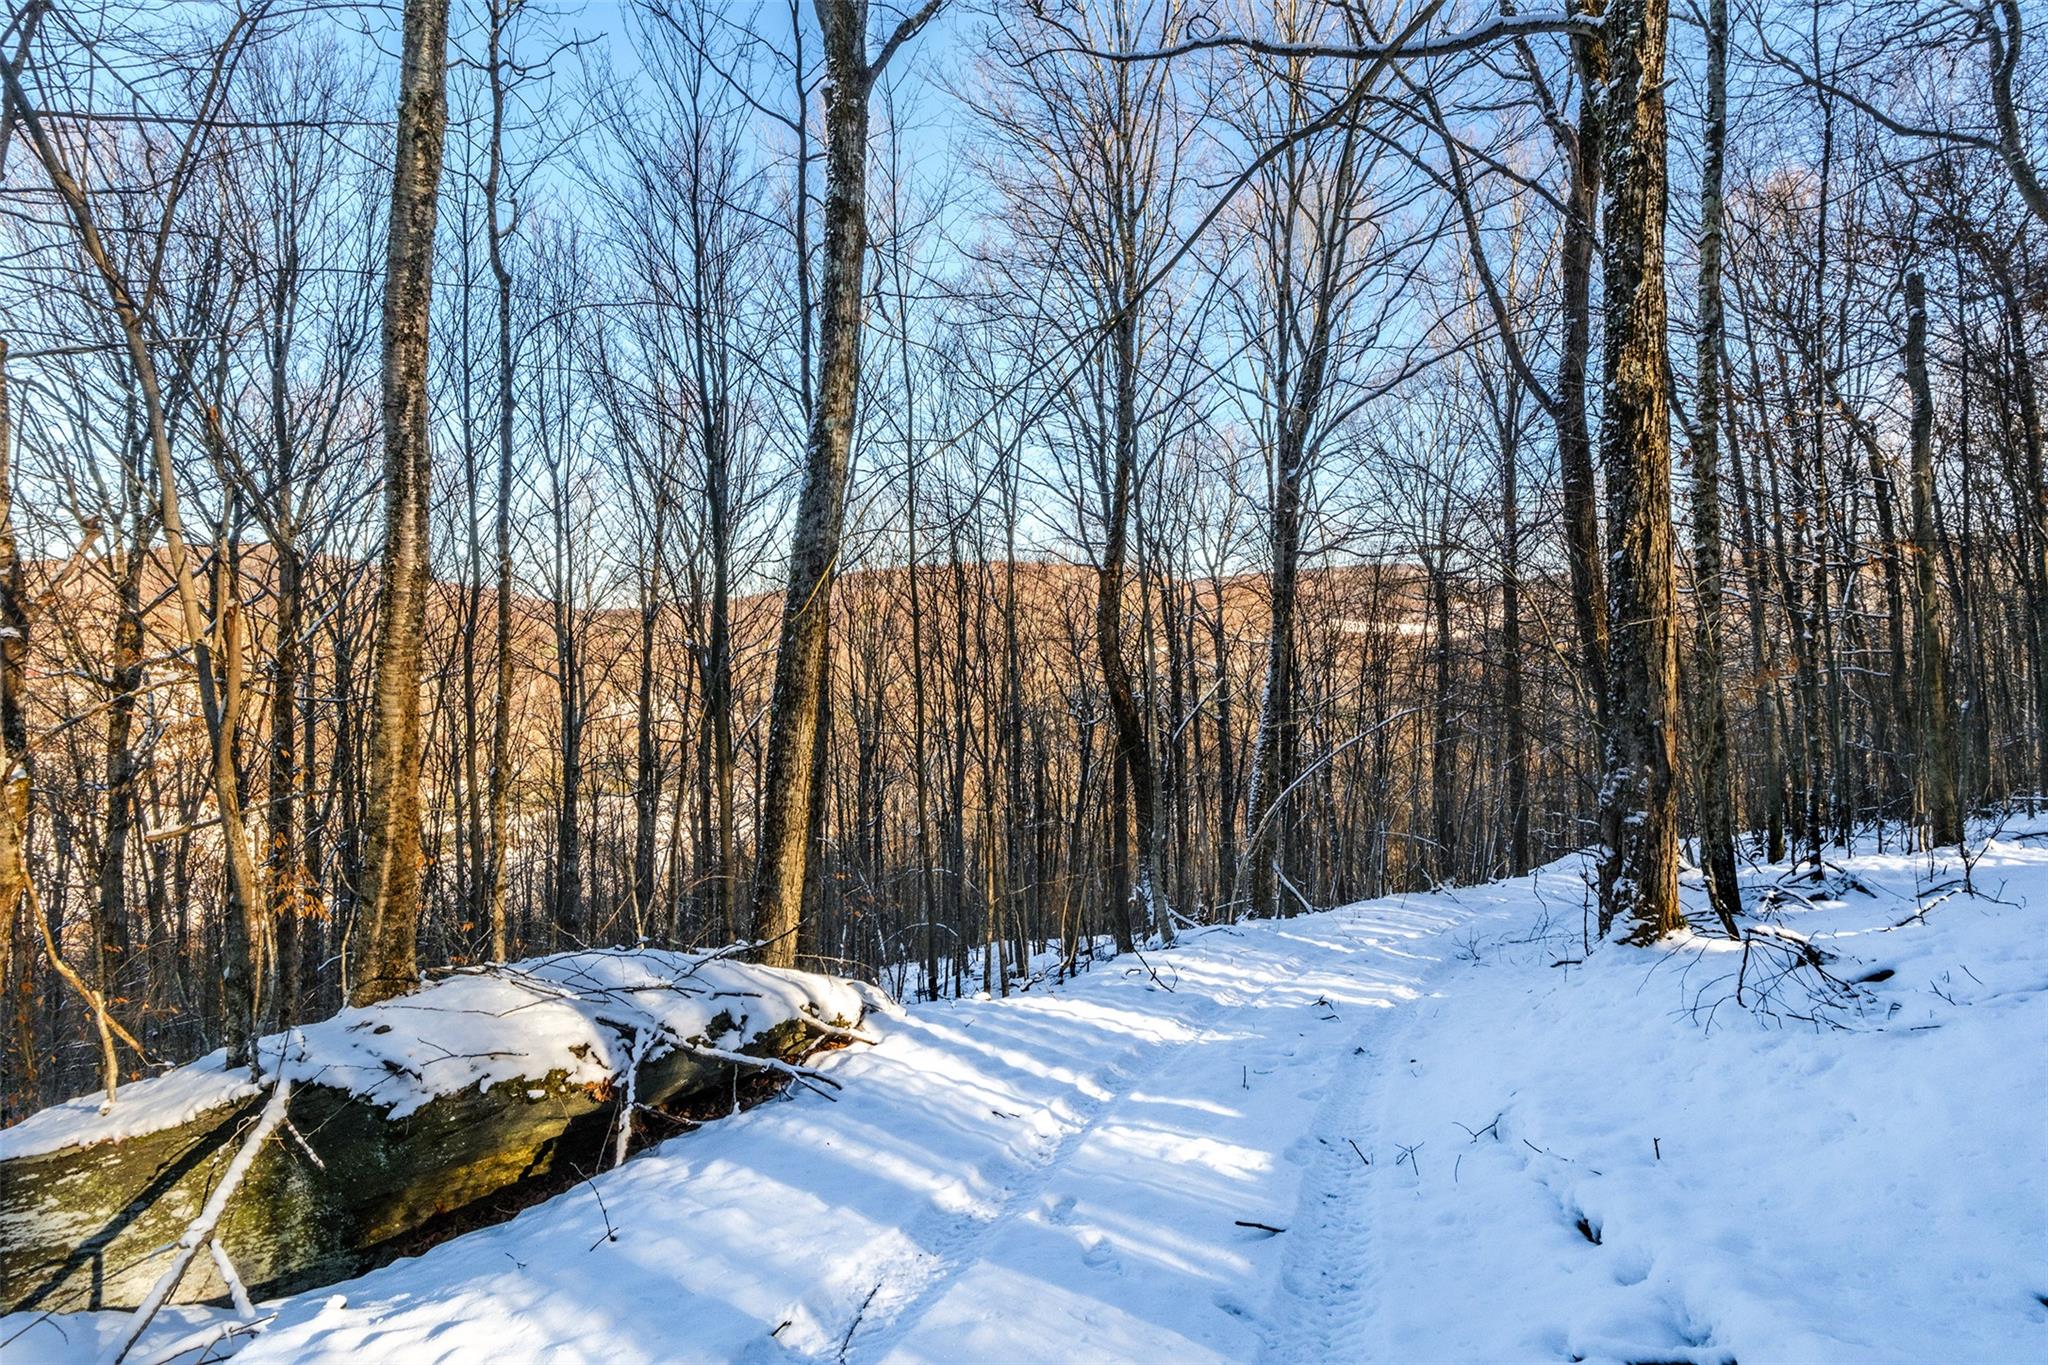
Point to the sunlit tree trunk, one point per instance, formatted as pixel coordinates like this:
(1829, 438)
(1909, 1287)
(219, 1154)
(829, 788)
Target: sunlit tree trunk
(1716, 781)
(1639, 879)
(388, 965)
(793, 760)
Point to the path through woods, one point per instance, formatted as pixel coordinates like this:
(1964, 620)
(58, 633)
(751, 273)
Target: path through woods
(1416, 1127)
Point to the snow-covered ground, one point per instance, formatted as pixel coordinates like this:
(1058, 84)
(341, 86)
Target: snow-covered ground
(1422, 1128)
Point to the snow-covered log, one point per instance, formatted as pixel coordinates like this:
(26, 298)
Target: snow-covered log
(406, 1120)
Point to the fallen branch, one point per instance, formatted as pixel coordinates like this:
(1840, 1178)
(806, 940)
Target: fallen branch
(626, 1109)
(802, 1073)
(199, 1344)
(237, 1291)
(202, 1227)
(1153, 972)
(852, 1035)
(846, 1342)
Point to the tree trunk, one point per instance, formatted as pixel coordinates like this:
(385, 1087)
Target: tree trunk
(1574, 435)
(1937, 808)
(647, 754)
(1133, 742)
(1443, 742)
(792, 769)
(392, 864)
(1276, 705)
(282, 868)
(500, 776)
(1716, 781)
(1514, 714)
(1639, 879)
(14, 756)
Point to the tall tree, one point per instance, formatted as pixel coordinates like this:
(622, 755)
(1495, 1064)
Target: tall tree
(1716, 782)
(499, 226)
(14, 760)
(1936, 806)
(1639, 877)
(1306, 219)
(212, 636)
(392, 865)
(784, 847)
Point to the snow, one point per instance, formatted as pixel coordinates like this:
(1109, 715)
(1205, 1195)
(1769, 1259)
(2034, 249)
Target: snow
(582, 1013)
(141, 1107)
(1429, 1094)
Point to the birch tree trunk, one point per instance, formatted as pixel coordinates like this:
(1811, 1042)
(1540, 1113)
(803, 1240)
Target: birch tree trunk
(392, 864)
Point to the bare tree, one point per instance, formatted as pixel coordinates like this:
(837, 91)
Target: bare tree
(783, 849)
(391, 869)
(1639, 878)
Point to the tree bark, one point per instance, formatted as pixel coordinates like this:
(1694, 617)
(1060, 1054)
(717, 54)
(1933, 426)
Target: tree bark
(1716, 780)
(392, 864)
(500, 775)
(14, 756)
(1587, 150)
(1639, 878)
(814, 552)
(1276, 704)
(1938, 810)
(1133, 742)
(792, 768)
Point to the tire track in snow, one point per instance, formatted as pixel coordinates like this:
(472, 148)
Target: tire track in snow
(1323, 1303)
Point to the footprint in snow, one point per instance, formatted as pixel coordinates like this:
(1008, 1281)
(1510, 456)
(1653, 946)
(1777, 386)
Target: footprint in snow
(1232, 1306)
(1632, 1268)
(1098, 1254)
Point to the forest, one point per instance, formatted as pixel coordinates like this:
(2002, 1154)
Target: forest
(939, 493)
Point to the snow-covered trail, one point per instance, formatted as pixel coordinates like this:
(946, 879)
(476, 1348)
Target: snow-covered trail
(1120, 1235)
(1466, 1137)
(1060, 1171)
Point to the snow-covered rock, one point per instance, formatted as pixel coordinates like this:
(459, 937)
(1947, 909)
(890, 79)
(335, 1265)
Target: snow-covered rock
(402, 1114)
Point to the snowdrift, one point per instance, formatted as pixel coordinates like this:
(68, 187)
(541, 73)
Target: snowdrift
(404, 1121)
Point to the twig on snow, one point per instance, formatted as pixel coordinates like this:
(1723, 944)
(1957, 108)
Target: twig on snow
(846, 1342)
